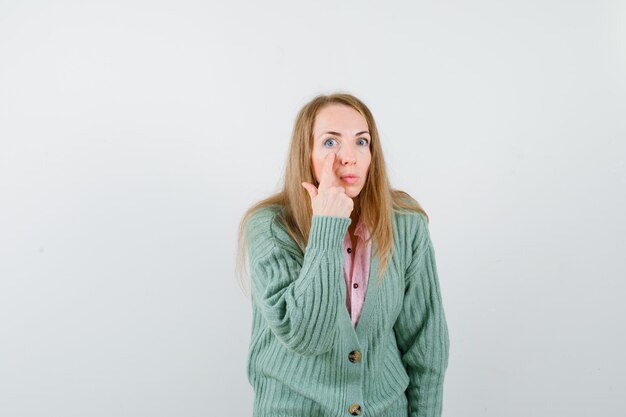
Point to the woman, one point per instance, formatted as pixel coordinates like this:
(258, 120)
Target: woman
(328, 340)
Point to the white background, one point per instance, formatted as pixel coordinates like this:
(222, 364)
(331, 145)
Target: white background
(134, 135)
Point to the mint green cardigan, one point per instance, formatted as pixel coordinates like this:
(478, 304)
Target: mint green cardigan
(307, 359)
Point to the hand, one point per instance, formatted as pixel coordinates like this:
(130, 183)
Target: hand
(329, 200)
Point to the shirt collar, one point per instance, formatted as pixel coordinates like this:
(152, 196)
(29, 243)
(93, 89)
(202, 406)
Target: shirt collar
(361, 230)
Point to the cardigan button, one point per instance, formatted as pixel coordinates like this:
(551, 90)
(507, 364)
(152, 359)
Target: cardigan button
(355, 409)
(349, 250)
(354, 356)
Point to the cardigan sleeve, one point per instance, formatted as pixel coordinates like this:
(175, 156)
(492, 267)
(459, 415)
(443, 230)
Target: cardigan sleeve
(299, 296)
(422, 332)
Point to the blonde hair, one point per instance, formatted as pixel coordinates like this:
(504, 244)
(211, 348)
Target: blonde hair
(377, 199)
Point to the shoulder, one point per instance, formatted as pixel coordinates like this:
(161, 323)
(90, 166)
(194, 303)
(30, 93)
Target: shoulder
(265, 229)
(260, 224)
(411, 227)
(412, 219)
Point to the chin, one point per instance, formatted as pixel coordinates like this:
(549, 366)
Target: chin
(353, 193)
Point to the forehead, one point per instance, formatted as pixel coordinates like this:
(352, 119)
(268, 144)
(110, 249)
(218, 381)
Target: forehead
(337, 117)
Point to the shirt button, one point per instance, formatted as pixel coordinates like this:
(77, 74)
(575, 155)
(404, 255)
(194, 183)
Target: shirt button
(355, 409)
(354, 356)
(355, 285)
(349, 250)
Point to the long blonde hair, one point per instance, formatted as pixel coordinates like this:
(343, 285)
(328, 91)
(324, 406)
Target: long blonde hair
(377, 199)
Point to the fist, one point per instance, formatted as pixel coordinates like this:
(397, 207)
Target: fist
(329, 199)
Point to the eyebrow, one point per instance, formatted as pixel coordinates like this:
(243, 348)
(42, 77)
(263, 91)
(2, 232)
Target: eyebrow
(339, 134)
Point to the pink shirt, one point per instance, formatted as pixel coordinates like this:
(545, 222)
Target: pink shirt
(356, 273)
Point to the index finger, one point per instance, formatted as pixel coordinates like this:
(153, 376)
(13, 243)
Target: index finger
(328, 177)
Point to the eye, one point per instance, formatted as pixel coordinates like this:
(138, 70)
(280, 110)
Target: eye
(329, 140)
(365, 140)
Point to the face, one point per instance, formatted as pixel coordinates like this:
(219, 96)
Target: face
(342, 130)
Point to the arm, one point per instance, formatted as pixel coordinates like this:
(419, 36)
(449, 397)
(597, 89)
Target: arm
(299, 297)
(422, 332)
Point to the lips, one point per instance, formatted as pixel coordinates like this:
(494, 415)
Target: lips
(350, 178)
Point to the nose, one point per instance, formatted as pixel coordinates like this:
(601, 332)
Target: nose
(346, 155)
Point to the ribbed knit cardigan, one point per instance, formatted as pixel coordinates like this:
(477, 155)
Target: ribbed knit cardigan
(301, 360)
